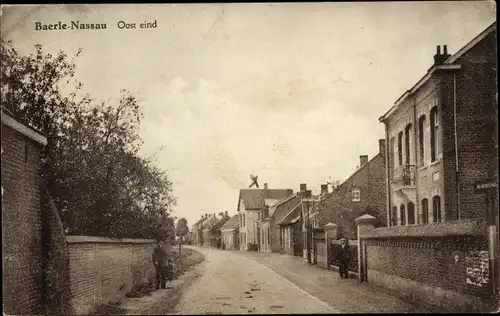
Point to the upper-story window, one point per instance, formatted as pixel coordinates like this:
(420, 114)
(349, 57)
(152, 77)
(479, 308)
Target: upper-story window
(407, 144)
(421, 143)
(356, 195)
(400, 148)
(434, 133)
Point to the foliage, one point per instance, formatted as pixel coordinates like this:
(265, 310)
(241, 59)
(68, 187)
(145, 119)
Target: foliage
(181, 229)
(91, 164)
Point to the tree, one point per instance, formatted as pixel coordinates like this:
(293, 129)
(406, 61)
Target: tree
(91, 165)
(181, 229)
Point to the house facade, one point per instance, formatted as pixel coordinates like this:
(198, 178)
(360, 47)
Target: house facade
(251, 203)
(363, 192)
(274, 240)
(230, 233)
(442, 186)
(442, 136)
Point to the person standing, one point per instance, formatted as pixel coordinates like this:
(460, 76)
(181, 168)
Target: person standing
(344, 258)
(160, 262)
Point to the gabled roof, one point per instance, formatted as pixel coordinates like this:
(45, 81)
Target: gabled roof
(254, 199)
(232, 223)
(292, 216)
(285, 207)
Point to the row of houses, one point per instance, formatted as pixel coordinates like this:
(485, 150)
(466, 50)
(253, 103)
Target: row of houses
(429, 194)
(207, 230)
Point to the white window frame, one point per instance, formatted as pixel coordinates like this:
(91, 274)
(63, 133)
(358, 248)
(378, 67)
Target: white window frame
(356, 195)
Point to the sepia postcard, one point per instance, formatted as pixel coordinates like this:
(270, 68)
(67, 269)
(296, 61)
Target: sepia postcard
(250, 158)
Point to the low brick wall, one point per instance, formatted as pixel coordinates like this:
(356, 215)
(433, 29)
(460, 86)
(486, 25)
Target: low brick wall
(104, 269)
(443, 264)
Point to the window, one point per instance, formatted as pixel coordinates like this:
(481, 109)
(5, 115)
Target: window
(244, 222)
(407, 144)
(268, 238)
(394, 216)
(356, 195)
(434, 133)
(411, 213)
(425, 211)
(421, 148)
(436, 208)
(391, 153)
(400, 148)
(402, 214)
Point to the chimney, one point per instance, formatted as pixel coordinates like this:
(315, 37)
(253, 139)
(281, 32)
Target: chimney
(206, 215)
(324, 188)
(381, 146)
(227, 214)
(265, 186)
(303, 187)
(215, 215)
(439, 58)
(363, 159)
(289, 191)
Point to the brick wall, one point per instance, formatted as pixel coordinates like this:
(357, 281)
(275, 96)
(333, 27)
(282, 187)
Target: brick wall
(370, 179)
(443, 264)
(103, 269)
(21, 224)
(477, 128)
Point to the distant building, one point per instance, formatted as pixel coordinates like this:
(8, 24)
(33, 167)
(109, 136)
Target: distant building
(363, 192)
(230, 233)
(251, 202)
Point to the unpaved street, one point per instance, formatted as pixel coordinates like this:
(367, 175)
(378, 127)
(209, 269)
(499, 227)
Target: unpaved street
(234, 284)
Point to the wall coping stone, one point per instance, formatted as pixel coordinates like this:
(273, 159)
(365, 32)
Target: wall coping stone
(23, 129)
(448, 228)
(94, 239)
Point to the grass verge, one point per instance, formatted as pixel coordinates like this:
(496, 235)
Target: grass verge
(183, 278)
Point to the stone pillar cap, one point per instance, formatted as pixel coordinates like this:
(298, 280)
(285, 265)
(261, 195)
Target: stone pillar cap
(330, 225)
(365, 219)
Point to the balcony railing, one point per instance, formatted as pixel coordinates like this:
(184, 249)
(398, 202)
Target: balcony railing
(404, 176)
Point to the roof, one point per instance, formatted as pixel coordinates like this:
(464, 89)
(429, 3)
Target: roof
(23, 129)
(292, 216)
(254, 199)
(210, 222)
(448, 64)
(352, 175)
(285, 207)
(232, 223)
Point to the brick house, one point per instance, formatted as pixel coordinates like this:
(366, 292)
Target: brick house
(230, 233)
(363, 192)
(443, 137)
(274, 238)
(22, 252)
(442, 141)
(251, 204)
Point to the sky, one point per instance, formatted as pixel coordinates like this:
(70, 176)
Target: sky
(289, 92)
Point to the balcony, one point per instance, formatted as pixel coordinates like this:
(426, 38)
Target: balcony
(403, 177)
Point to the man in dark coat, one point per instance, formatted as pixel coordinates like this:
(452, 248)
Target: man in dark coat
(160, 262)
(344, 257)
